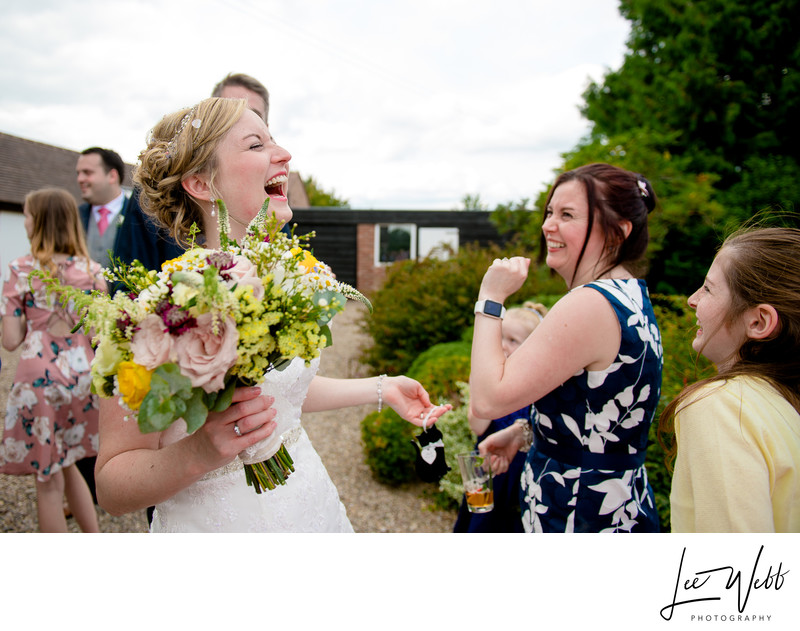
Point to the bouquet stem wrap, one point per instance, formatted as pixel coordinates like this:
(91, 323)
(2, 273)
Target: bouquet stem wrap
(271, 472)
(267, 464)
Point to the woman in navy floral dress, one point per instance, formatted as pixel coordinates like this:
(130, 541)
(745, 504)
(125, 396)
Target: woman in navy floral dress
(592, 369)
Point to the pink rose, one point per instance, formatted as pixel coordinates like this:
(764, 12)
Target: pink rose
(152, 344)
(204, 356)
(244, 273)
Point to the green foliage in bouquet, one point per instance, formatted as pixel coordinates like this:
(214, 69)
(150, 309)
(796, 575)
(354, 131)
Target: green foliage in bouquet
(430, 301)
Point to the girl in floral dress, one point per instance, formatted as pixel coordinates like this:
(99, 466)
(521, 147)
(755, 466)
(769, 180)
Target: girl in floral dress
(52, 417)
(591, 369)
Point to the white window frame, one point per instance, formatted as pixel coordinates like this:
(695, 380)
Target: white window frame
(437, 235)
(412, 229)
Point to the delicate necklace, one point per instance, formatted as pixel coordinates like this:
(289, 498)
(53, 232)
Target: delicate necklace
(243, 225)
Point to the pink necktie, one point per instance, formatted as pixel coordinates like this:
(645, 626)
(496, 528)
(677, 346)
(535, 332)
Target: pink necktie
(102, 224)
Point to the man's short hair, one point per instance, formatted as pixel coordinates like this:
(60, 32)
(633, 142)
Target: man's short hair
(244, 81)
(110, 160)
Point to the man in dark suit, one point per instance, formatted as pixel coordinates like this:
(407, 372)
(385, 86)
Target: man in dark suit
(142, 239)
(101, 173)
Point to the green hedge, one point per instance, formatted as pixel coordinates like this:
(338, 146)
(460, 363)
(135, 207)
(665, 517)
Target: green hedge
(388, 450)
(682, 366)
(441, 368)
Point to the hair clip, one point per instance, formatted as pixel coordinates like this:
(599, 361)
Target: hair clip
(536, 312)
(643, 187)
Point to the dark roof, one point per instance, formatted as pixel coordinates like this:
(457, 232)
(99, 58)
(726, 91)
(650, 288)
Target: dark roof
(26, 166)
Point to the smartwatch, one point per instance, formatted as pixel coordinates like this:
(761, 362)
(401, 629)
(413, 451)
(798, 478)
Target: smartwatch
(490, 308)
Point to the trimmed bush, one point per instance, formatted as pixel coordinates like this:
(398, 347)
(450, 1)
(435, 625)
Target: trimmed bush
(388, 448)
(441, 368)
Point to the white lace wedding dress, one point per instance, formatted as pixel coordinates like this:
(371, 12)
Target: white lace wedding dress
(222, 502)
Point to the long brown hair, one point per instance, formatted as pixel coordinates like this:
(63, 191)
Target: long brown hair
(56, 226)
(613, 195)
(763, 267)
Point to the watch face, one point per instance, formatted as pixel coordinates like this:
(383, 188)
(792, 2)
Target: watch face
(492, 308)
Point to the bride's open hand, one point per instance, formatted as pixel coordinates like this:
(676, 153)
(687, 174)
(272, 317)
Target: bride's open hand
(248, 420)
(410, 400)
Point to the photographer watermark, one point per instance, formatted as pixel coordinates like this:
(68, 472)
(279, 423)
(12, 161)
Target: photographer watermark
(725, 592)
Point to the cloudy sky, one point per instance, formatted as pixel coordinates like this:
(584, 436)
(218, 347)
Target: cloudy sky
(389, 103)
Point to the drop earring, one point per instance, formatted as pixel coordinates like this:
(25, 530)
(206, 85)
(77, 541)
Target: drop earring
(213, 207)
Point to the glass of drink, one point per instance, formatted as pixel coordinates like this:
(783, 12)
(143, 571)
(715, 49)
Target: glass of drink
(476, 474)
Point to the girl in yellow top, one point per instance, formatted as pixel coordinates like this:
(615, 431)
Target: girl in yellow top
(738, 433)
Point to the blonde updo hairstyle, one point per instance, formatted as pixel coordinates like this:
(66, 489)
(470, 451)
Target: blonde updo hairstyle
(178, 146)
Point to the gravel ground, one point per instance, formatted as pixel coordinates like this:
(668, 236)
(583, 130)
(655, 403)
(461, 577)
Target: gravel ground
(371, 506)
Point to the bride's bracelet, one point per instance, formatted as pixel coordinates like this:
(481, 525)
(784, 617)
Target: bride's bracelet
(380, 392)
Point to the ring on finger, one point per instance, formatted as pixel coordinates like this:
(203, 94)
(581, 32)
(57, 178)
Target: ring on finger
(236, 429)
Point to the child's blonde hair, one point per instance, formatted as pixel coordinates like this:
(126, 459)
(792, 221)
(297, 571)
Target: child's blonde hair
(532, 313)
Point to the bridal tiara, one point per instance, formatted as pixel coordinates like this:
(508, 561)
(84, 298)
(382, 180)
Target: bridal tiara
(195, 123)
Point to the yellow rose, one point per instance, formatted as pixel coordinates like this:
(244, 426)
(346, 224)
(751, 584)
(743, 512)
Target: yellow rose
(134, 383)
(309, 262)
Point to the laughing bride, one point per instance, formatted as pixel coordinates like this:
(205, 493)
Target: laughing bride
(196, 481)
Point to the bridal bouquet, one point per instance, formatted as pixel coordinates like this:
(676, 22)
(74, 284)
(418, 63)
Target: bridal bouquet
(179, 342)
